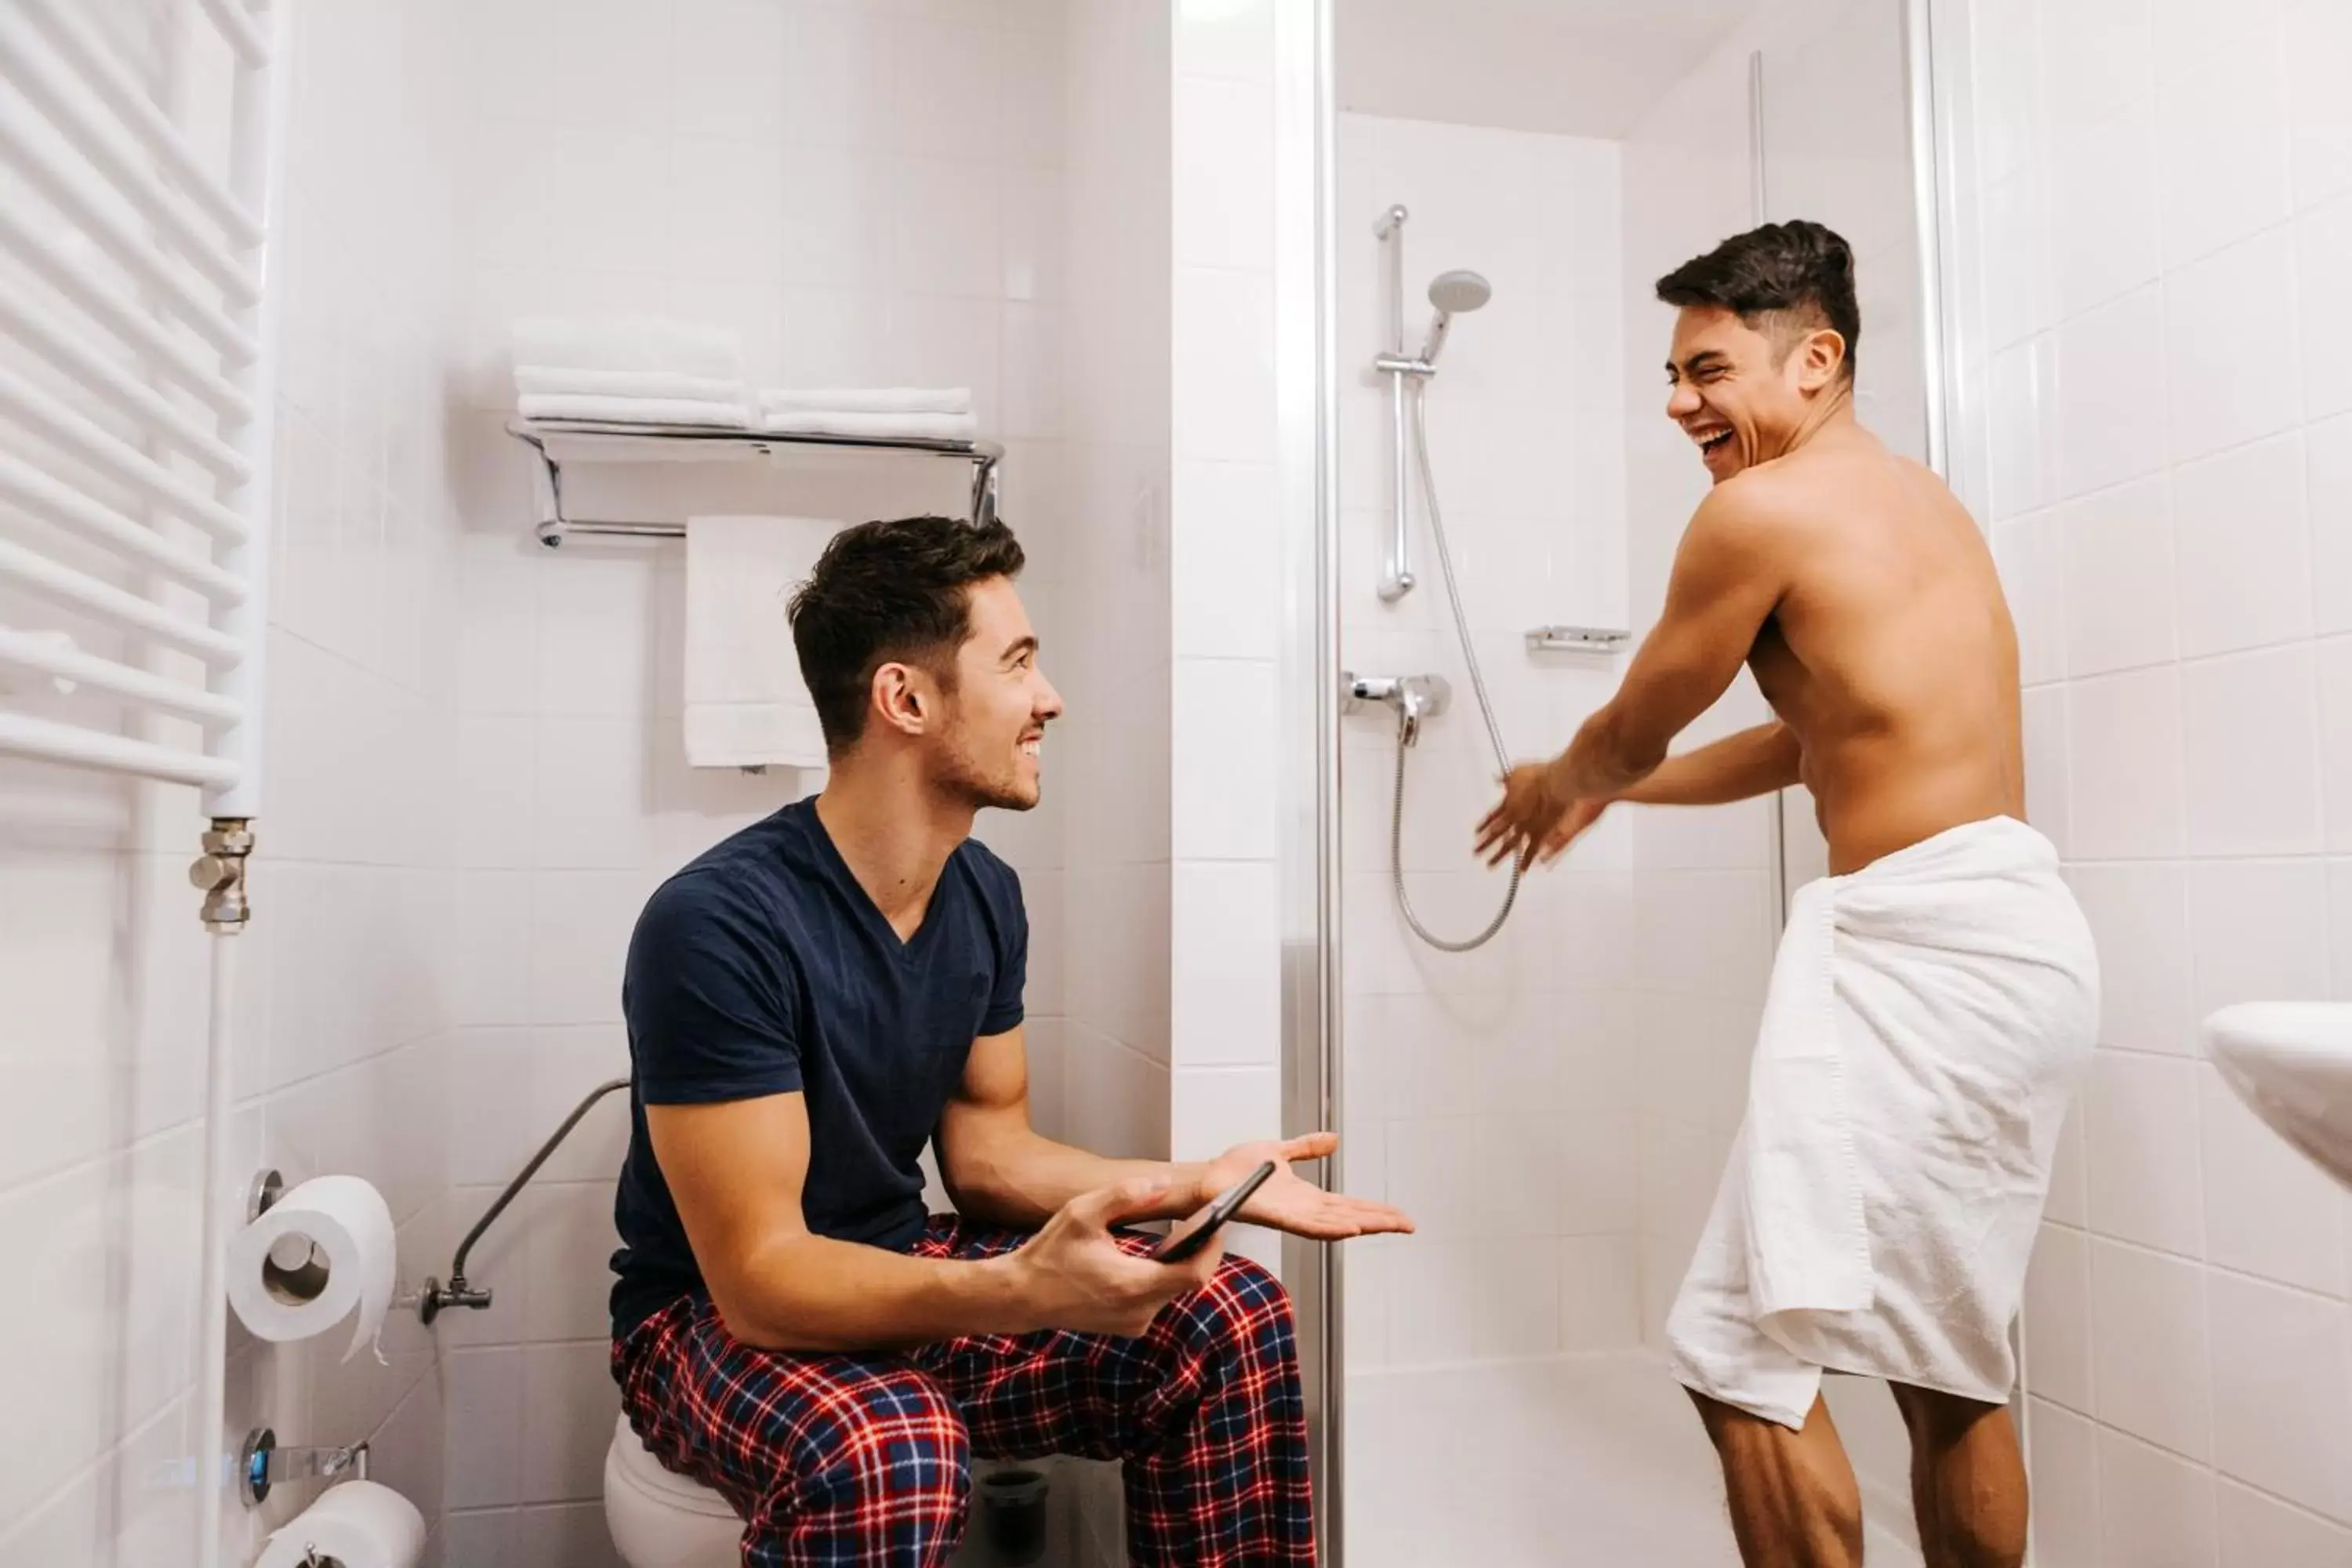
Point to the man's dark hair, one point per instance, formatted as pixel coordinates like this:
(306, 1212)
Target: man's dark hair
(1780, 280)
(890, 592)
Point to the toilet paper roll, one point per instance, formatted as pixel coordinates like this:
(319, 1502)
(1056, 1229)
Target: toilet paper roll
(358, 1524)
(323, 1251)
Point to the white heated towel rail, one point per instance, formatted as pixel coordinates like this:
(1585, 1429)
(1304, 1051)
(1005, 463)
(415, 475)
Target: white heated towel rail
(138, 398)
(138, 353)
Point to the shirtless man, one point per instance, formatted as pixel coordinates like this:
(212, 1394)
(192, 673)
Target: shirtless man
(1935, 996)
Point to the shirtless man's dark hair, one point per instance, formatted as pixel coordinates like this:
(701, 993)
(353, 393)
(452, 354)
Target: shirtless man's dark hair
(1783, 279)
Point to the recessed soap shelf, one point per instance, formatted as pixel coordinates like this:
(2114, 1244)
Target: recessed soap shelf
(1577, 640)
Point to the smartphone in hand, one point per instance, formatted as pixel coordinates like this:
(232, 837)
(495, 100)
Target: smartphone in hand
(1194, 1232)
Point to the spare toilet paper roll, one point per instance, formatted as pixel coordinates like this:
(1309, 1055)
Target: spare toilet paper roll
(322, 1250)
(357, 1524)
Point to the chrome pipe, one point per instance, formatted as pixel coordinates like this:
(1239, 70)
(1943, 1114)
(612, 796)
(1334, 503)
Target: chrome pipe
(459, 1292)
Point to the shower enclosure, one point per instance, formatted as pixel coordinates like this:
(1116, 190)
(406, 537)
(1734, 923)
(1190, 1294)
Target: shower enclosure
(1548, 1074)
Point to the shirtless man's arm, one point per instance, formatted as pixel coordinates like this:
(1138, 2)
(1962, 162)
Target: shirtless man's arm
(1728, 575)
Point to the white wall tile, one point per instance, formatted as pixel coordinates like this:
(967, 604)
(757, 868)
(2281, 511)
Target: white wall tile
(1223, 788)
(2318, 58)
(2230, 329)
(2148, 1347)
(1228, 949)
(2106, 439)
(946, 235)
(2268, 1210)
(569, 1401)
(2323, 244)
(2222, 147)
(724, 56)
(2333, 659)
(2058, 1345)
(2029, 553)
(946, 82)
(2254, 759)
(2155, 1511)
(2097, 63)
(2328, 473)
(2139, 920)
(2141, 1133)
(1600, 1293)
(2258, 932)
(1223, 174)
(1224, 365)
(1229, 512)
(2244, 548)
(2049, 782)
(2125, 769)
(2022, 403)
(592, 800)
(2259, 1532)
(2019, 223)
(2118, 568)
(2008, 58)
(1213, 1109)
(2282, 1391)
(2064, 1461)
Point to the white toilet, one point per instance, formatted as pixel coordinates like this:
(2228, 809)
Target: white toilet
(660, 1520)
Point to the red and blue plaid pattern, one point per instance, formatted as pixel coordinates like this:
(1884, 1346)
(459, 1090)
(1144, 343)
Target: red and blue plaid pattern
(841, 1461)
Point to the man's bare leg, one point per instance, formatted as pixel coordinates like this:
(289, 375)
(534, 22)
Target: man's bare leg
(1968, 1480)
(1794, 1501)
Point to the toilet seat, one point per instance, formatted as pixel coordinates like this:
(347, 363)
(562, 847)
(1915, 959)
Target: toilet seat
(662, 1520)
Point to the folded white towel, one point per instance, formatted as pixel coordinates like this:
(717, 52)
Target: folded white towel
(540, 380)
(873, 426)
(628, 342)
(633, 410)
(746, 705)
(1929, 1020)
(866, 400)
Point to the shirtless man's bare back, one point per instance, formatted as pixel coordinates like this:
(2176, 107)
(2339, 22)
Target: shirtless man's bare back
(1863, 596)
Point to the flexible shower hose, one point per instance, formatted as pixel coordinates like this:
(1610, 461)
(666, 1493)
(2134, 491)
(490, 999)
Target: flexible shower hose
(1478, 686)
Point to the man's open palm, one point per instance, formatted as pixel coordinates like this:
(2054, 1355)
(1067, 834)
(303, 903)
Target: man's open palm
(1289, 1202)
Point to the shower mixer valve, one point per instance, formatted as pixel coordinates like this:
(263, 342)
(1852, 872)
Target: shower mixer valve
(1414, 697)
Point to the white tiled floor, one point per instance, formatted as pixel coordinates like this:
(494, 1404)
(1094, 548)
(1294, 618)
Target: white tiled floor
(1581, 1460)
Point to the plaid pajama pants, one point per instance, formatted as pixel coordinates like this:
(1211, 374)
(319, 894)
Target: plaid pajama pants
(863, 1461)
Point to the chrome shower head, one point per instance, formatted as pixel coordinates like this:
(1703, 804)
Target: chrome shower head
(1451, 293)
(1454, 292)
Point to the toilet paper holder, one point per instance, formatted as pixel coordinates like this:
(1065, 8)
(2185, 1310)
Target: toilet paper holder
(263, 1464)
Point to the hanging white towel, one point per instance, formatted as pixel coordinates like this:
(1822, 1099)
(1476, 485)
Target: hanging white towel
(874, 426)
(628, 342)
(746, 705)
(1929, 1020)
(866, 400)
(633, 410)
(542, 379)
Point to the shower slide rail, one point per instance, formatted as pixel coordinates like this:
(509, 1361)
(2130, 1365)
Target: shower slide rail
(141, 184)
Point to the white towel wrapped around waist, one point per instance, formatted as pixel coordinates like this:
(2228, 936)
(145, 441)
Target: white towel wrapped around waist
(866, 400)
(1928, 1019)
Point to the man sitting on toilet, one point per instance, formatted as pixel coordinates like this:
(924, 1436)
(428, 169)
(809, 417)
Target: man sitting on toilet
(808, 1004)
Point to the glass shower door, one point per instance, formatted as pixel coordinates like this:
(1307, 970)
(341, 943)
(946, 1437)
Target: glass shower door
(1833, 122)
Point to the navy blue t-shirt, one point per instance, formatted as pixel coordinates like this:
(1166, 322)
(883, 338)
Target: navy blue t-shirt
(763, 968)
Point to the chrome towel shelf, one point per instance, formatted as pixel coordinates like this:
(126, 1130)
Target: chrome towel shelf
(556, 442)
(1577, 640)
